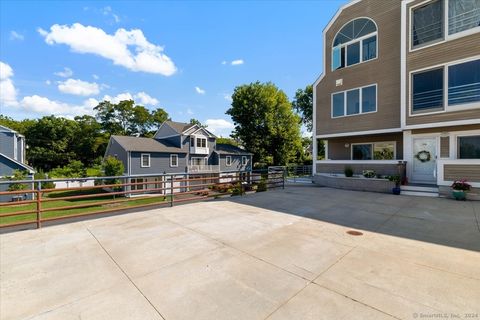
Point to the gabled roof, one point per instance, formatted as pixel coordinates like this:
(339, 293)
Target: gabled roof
(6, 129)
(229, 149)
(139, 144)
(28, 168)
(180, 127)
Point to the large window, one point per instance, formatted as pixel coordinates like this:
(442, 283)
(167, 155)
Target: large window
(469, 147)
(201, 143)
(173, 160)
(464, 83)
(463, 90)
(428, 24)
(427, 90)
(356, 42)
(375, 151)
(355, 101)
(228, 161)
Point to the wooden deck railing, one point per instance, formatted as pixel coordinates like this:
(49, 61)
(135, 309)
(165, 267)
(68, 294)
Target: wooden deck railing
(47, 205)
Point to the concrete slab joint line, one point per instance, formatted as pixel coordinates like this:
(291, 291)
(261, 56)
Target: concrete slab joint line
(126, 275)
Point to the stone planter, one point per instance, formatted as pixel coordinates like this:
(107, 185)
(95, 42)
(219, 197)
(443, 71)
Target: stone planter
(354, 183)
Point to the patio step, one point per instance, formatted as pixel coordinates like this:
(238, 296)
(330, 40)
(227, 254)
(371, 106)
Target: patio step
(420, 191)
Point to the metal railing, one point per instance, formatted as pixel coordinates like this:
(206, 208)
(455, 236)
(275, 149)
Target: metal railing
(202, 168)
(112, 194)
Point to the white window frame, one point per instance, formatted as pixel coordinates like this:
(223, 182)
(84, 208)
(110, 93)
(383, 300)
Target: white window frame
(373, 147)
(200, 145)
(359, 99)
(360, 39)
(244, 160)
(141, 160)
(171, 162)
(446, 37)
(203, 159)
(446, 107)
(192, 138)
(228, 161)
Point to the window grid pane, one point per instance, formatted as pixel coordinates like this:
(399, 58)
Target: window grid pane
(369, 48)
(353, 102)
(384, 151)
(469, 147)
(369, 99)
(427, 90)
(353, 53)
(464, 83)
(463, 15)
(362, 152)
(427, 23)
(338, 104)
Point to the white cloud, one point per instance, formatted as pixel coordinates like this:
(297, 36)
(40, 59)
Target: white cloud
(220, 127)
(8, 92)
(145, 56)
(199, 90)
(237, 62)
(190, 112)
(66, 73)
(119, 97)
(95, 77)
(224, 62)
(43, 105)
(14, 35)
(228, 97)
(48, 82)
(78, 87)
(146, 99)
(107, 11)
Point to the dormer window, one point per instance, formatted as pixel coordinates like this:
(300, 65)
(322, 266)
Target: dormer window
(355, 43)
(201, 142)
(192, 141)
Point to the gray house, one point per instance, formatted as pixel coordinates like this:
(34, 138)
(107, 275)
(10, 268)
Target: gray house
(178, 148)
(12, 156)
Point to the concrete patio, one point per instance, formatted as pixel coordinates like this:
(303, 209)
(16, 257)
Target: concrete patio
(282, 254)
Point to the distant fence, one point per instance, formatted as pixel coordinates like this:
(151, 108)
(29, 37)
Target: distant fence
(293, 170)
(35, 205)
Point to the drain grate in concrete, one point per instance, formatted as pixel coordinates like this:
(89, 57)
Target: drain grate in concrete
(354, 233)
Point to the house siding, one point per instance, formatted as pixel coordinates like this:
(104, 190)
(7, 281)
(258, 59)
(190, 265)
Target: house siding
(448, 51)
(159, 163)
(6, 143)
(236, 163)
(454, 172)
(7, 166)
(114, 149)
(383, 71)
(165, 131)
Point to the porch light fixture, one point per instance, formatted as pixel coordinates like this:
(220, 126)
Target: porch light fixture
(347, 145)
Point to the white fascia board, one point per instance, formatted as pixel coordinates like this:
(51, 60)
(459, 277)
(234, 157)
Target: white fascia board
(358, 133)
(443, 124)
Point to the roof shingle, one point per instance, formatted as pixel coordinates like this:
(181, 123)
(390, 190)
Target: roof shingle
(146, 144)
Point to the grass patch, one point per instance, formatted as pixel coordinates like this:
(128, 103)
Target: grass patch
(101, 196)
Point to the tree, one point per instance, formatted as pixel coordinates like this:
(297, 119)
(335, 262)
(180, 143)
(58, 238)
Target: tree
(229, 141)
(113, 167)
(51, 140)
(303, 105)
(90, 142)
(197, 122)
(159, 116)
(265, 123)
(18, 175)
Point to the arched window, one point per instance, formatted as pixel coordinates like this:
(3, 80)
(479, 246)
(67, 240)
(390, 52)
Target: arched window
(356, 42)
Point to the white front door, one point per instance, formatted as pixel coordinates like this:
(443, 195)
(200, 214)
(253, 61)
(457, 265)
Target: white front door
(424, 160)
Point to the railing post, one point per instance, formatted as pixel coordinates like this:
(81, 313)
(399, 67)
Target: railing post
(39, 204)
(171, 190)
(283, 175)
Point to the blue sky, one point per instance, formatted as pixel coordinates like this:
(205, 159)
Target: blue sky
(186, 57)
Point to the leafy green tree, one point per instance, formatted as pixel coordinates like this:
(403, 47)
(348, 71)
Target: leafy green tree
(91, 141)
(17, 175)
(265, 123)
(303, 105)
(113, 167)
(50, 140)
(195, 121)
(19, 126)
(229, 141)
(158, 116)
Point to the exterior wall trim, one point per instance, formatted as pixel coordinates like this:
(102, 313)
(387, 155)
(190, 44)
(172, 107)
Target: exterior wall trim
(359, 133)
(403, 65)
(443, 124)
(360, 161)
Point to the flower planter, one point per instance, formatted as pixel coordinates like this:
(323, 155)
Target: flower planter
(396, 190)
(459, 194)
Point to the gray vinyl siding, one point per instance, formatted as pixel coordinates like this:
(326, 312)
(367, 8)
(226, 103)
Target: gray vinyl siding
(7, 167)
(20, 146)
(176, 140)
(6, 143)
(236, 163)
(165, 131)
(159, 163)
(115, 150)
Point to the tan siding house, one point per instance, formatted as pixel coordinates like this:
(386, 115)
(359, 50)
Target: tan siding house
(400, 90)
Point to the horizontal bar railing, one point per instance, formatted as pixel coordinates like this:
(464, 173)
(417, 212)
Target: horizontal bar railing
(53, 204)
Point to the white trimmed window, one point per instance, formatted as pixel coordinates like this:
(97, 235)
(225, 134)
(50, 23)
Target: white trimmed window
(192, 141)
(355, 43)
(374, 151)
(446, 88)
(244, 160)
(440, 20)
(228, 161)
(468, 147)
(201, 142)
(145, 160)
(174, 160)
(355, 101)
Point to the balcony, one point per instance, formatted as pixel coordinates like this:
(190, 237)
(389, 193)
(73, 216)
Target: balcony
(199, 150)
(203, 168)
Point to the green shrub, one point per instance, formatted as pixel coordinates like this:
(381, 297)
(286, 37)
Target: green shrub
(348, 171)
(17, 175)
(262, 185)
(238, 190)
(113, 167)
(369, 173)
(40, 175)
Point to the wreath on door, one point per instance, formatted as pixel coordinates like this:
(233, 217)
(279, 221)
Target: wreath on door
(423, 156)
